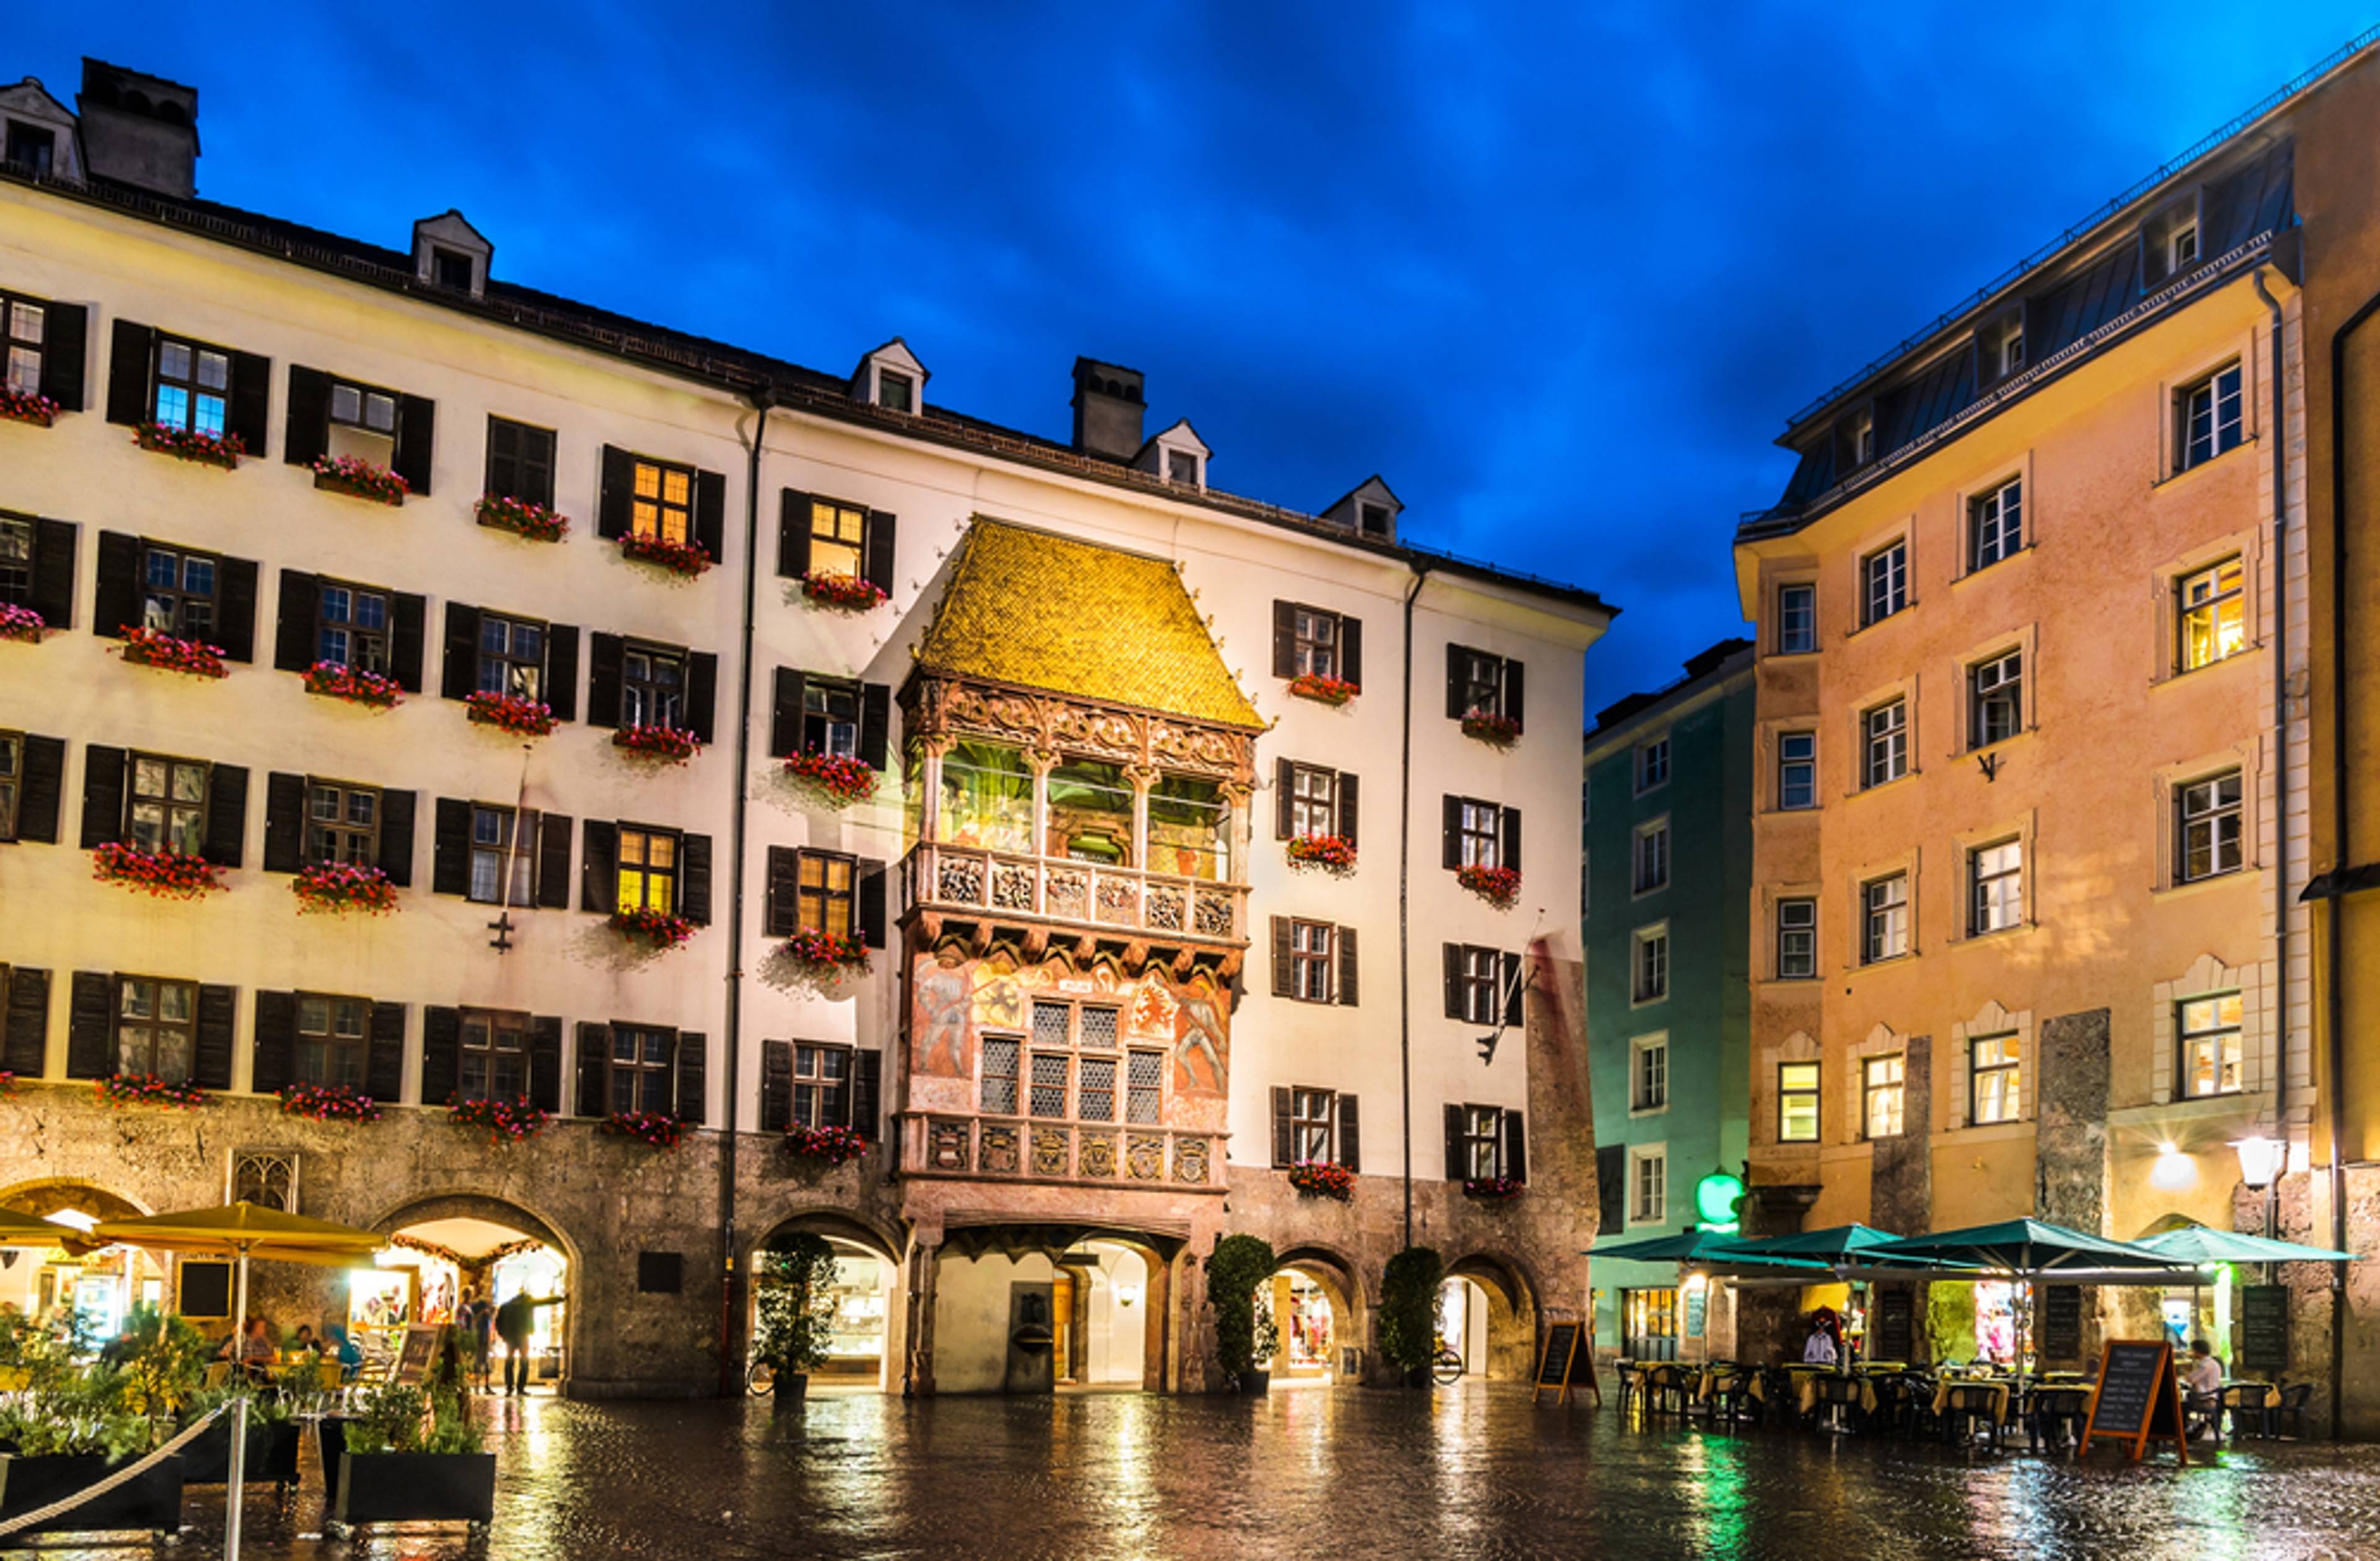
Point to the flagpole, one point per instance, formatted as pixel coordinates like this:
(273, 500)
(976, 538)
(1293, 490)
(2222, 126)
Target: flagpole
(238, 1468)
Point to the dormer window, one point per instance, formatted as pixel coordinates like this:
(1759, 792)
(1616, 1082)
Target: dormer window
(449, 252)
(1182, 467)
(2182, 249)
(1374, 519)
(1178, 455)
(33, 147)
(895, 392)
(450, 268)
(2008, 348)
(890, 377)
(1860, 439)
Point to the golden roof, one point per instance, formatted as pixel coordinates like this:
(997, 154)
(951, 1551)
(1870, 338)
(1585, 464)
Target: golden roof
(1039, 610)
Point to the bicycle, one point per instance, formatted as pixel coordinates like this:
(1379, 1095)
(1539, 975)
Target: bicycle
(760, 1379)
(1445, 1363)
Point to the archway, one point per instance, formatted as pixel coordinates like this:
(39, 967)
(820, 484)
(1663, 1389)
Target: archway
(1488, 1313)
(861, 1354)
(1313, 1308)
(98, 1290)
(450, 1249)
(1031, 1308)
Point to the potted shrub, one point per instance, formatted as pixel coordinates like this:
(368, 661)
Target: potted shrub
(1237, 1266)
(272, 1435)
(411, 1456)
(70, 1425)
(1409, 1311)
(797, 1312)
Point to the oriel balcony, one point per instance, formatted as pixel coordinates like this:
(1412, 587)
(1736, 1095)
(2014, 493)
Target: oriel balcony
(1086, 896)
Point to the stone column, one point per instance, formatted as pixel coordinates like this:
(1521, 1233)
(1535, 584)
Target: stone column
(2070, 1139)
(930, 781)
(923, 1266)
(1143, 780)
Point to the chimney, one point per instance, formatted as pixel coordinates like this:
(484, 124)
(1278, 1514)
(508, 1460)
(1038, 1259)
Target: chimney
(138, 130)
(1108, 409)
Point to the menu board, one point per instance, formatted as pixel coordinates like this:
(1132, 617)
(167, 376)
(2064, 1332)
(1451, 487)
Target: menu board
(2061, 1323)
(2138, 1401)
(1892, 1330)
(1697, 1311)
(2263, 1327)
(1554, 1365)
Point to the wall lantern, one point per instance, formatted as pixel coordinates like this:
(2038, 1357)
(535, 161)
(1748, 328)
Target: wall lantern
(2261, 1160)
(2173, 1171)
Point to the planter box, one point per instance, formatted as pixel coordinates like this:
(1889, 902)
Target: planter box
(152, 1500)
(1255, 1383)
(272, 1455)
(417, 1488)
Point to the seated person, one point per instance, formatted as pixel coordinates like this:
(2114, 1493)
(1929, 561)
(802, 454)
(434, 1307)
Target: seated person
(303, 1341)
(344, 1350)
(2202, 1383)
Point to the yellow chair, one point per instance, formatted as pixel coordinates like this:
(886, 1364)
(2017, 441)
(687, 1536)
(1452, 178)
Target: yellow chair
(218, 1373)
(329, 1375)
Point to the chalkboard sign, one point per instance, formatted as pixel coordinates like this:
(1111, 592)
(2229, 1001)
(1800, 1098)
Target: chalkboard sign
(1892, 1333)
(1554, 1365)
(414, 1356)
(2138, 1401)
(1697, 1311)
(206, 1287)
(2061, 1323)
(2265, 1327)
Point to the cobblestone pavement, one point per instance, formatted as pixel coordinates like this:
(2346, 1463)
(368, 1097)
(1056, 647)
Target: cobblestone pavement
(1466, 1472)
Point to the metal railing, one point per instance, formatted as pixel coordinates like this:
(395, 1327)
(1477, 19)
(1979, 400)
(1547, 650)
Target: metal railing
(1090, 895)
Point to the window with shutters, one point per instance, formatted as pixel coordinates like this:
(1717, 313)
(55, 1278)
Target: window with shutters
(1483, 1142)
(1797, 938)
(166, 805)
(23, 322)
(831, 718)
(648, 869)
(2209, 418)
(351, 627)
(193, 387)
(1478, 984)
(2207, 815)
(642, 1061)
(512, 657)
(1652, 762)
(1479, 834)
(661, 503)
(494, 1055)
(1995, 524)
(342, 823)
(520, 462)
(1313, 801)
(1652, 855)
(501, 852)
(823, 897)
(838, 538)
(1797, 1103)
(1316, 637)
(12, 780)
(331, 1033)
(1310, 1115)
(156, 1027)
(1310, 960)
(177, 592)
(1480, 682)
(653, 687)
(363, 407)
(822, 1086)
(997, 1090)
(16, 560)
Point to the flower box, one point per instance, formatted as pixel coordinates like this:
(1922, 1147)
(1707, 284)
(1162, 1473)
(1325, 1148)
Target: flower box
(656, 1129)
(504, 1121)
(416, 1488)
(7, 1084)
(1497, 731)
(359, 479)
(1334, 852)
(841, 777)
(849, 592)
(338, 888)
(825, 952)
(664, 743)
(1493, 1190)
(148, 1089)
(168, 875)
(1498, 886)
(27, 406)
(522, 518)
(149, 647)
(22, 623)
(658, 929)
(1322, 687)
(1321, 1178)
(206, 449)
(372, 690)
(151, 1499)
(833, 1146)
(509, 712)
(679, 558)
(328, 1103)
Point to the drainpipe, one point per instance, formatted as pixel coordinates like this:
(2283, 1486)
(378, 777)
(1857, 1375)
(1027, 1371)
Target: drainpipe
(1421, 568)
(2281, 703)
(731, 1305)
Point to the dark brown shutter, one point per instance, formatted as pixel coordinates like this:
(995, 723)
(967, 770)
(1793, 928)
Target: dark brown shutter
(694, 878)
(1457, 704)
(866, 1092)
(236, 609)
(776, 1085)
(250, 412)
(408, 629)
(1350, 1134)
(503, 468)
(1514, 1150)
(1345, 788)
(1611, 1186)
(1351, 651)
(25, 1033)
(562, 670)
(103, 795)
(594, 1061)
(711, 513)
(793, 534)
(1455, 1168)
(877, 568)
(553, 862)
(603, 679)
(65, 342)
(225, 841)
(417, 423)
(599, 867)
(1452, 836)
(614, 502)
(54, 573)
(1509, 851)
(115, 603)
(396, 837)
(285, 822)
(211, 1052)
(701, 693)
(458, 676)
(306, 431)
(1284, 639)
(692, 1100)
(872, 904)
(1514, 702)
(1284, 779)
(41, 789)
(1508, 985)
(786, 713)
(545, 1062)
(132, 349)
(875, 723)
(90, 1014)
(1345, 940)
(384, 1054)
(450, 847)
(1282, 983)
(782, 918)
(1284, 1129)
(295, 636)
(1455, 982)
(442, 1054)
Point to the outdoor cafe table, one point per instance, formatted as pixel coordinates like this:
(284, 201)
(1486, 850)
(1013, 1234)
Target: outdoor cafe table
(2000, 1390)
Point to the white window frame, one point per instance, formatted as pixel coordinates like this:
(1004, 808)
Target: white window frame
(1651, 764)
(1808, 929)
(1870, 1088)
(1895, 913)
(1884, 742)
(1790, 640)
(1641, 1158)
(1788, 766)
(1996, 887)
(1650, 861)
(1884, 582)
(1648, 1064)
(1648, 965)
(1996, 526)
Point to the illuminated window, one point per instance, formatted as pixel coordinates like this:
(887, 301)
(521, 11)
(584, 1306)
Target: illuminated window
(2206, 826)
(1994, 1074)
(838, 538)
(1882, 1095)
(825, 897)
(1797, 1103)
(662, 502)
(193, 387)
(2210, 1044)
(2213, 605)
(648, 870)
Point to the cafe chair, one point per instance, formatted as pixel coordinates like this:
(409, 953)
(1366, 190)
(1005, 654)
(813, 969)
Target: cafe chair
(2246, 1404)
(1966, 1406)
(218, 1373)
(2290, 1412)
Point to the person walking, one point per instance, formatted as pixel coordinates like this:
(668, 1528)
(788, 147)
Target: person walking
(480, 1317)
(516, 1320)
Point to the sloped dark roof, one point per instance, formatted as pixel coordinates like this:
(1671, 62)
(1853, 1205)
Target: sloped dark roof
(1723, 660)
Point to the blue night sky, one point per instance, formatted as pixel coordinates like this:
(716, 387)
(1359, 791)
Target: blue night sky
(1559, 276)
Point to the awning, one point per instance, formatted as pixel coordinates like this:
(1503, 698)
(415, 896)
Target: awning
(2202, 1244)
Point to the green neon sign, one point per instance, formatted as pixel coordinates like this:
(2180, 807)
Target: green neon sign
(1716, 1197)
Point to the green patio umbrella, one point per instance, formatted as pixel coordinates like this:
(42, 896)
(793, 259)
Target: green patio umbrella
(1836, 1243)
(1688, 1246)
(2199, 1245)
(2023, 1249)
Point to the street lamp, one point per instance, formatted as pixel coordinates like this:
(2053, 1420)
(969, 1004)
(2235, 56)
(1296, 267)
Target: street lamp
(2261, 1159)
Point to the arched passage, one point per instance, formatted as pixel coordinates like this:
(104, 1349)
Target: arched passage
(1499, 1316)
(1014, 1309)
(1317, 1309)
(450, 1248)
(98, 1288)
(863, 1347)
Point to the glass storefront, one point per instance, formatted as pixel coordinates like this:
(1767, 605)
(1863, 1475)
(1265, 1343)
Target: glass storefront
(1648, 1325)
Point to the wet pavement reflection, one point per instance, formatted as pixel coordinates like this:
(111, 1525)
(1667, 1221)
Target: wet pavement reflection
(1462, 1472)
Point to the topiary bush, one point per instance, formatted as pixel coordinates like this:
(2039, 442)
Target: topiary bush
(1238, 1265)
(796, 1303)
(1409, 1307)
